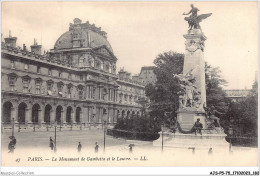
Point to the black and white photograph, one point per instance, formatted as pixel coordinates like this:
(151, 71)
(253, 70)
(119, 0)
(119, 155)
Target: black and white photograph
(130, 84)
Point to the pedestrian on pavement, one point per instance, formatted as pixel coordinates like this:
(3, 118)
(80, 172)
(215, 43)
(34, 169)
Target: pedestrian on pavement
(11, 147)
(14, 141)
(210, 151)
(131, 148)
(51, 143)
(79, 147)
(96, 147)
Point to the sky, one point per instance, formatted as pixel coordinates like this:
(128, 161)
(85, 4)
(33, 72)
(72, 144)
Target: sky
(139, 31)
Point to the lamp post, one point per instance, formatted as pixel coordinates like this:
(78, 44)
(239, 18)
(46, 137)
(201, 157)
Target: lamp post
(104, 135)
(19, 119)
(60, 124)
(230, 132)
(162, 127)
(55, 125)
(34, 123)
(12, 126)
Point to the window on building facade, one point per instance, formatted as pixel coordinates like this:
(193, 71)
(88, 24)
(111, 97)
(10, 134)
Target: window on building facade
(80, 89)
(12, 81)
(94, 93)
(12, 64)
(49, 87)
(69, 76)
(38, 69)
(81, 62)
(60, 74)
(98, 65)
(107, 67)
(38, 83)
(104, 93)
(120, 97)
(60, 87)
(81, 77)
(26, 83)
(69, 91)
(49, 72)
(26, 66)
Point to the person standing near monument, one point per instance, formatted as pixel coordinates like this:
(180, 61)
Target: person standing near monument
(79, 147)
(96, 147)
(51, 144)
(198, 126)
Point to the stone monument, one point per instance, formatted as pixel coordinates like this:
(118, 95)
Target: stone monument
(192, 97)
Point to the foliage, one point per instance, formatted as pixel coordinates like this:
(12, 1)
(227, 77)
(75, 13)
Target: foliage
(214, 91)
(243, 114)
(164, 94)
(138, 124)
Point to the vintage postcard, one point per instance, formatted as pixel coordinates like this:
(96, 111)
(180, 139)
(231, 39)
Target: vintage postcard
(129, 84)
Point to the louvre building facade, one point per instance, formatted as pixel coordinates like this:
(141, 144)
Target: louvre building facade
(76, 82)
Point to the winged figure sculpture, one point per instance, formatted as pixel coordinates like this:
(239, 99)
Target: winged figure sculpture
(194, 19)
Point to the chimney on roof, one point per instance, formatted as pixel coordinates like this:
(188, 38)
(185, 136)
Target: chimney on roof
(37, 49)
(122, 74)
(24, 47)
(11, 41)
(128, 75)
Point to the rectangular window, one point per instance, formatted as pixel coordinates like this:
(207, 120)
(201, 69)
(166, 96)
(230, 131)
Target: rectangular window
(49, 72)
(26, 66)
(60, 74)
(69, 76)
(81, 77)
(38, 69)
(69, 92)
(80, 93)
(38, 87)
(49, 86)
(12, 81)
(12, 64)
(60, 87)
(26, 83)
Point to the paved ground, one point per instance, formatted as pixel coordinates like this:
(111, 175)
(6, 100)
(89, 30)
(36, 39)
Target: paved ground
(31, 144)
(67, 139)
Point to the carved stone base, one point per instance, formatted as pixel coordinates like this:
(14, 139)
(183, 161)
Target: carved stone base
(185, 141)
(187, 118)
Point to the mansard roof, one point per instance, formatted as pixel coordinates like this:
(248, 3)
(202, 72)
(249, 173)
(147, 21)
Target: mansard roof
(88, 34)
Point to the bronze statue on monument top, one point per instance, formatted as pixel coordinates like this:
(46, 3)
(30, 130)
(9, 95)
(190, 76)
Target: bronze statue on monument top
(194, 19)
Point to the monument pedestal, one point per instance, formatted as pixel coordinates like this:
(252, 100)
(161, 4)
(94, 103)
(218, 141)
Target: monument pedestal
(187, 118)
(185, 141)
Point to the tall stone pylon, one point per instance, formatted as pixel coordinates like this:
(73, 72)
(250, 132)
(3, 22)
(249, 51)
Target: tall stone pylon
(194, 68)
(194, 62)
